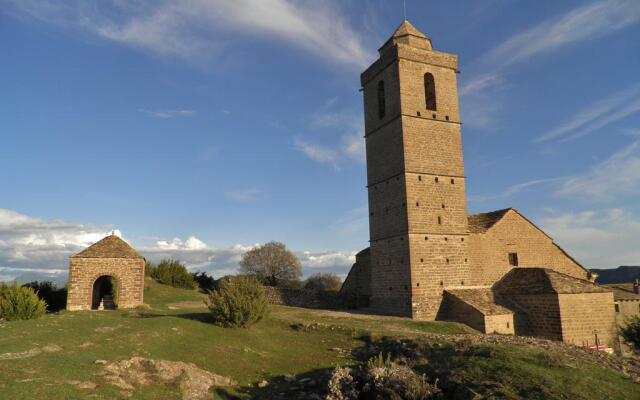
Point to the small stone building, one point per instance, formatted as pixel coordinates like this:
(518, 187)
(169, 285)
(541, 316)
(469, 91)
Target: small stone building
(556, 306)
(107, 275)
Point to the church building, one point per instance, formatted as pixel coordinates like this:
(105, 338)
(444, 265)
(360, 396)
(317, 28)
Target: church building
(428, 259)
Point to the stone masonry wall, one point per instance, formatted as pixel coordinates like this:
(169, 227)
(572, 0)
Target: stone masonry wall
(513, 234)
(539, 315)
(584, 314)
(502, 324)
(83, 272)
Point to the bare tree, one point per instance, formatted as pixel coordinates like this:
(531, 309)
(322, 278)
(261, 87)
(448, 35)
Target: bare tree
(272, 263)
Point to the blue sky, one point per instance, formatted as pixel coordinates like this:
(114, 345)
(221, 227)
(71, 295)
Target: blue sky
(200, 128)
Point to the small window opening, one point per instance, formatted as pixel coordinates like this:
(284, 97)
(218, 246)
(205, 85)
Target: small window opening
(437, 180)
(507, 325)
(439, 220)
(417, 204)
(430, 91)
(513, 259)
(434, 116)
(422, 260)
(446, 239)
(382, 108)
(462, 239)
(443, 206)
(462, 283)
(447, 261)
(426, 238)
(453, 181)
(617, 306)
(420, 177)
(441, 283)
(446, 117)
(418, 113)
(418, 284)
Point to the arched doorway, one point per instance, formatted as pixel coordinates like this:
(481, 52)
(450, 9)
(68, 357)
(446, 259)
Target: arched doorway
(104, 292)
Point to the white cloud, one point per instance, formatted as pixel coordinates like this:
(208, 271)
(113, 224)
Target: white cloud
(517, 188)
(319, 153)
(37, 249)
(479, 95)
(328, 260)
(579, 24)
(596, 116)
(193, 29)
(351, 146)
(617, 176)
(244, 196)
(31, 246)
(166, 114)
(597, 238)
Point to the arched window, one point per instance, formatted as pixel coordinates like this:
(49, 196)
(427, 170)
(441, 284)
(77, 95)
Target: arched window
(381, 102)
(430, 91)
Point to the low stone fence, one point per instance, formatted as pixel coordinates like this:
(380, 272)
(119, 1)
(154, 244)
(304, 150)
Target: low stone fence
(304, 298)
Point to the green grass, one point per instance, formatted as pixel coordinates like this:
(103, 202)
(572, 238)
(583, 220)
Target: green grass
(289, 341)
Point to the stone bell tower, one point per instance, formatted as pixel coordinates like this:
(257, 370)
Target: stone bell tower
(415, 172)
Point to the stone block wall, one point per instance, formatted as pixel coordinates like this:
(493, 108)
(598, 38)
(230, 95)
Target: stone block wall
(538, 315)
(582, 315)
(357, 284)
(83, 272)
(502, 324)
(304, 298)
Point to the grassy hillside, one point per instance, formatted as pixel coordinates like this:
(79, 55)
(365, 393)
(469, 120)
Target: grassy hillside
(624, 274)
(55, 357)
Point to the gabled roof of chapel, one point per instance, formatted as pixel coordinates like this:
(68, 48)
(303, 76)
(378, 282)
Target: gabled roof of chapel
(544, 281)
(109, 247)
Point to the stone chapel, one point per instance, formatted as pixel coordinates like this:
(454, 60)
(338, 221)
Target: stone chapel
(428, 259)
(108, 274)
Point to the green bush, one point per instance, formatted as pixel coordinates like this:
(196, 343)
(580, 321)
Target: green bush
(631, 331)
(56, 298)
(323, 282)
(205, 282)
(19, 302)
(237, 302)
(173, 273)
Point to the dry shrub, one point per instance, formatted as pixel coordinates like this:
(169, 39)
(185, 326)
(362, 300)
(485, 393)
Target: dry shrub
(381, 379)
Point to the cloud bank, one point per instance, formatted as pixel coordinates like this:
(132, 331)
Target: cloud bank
(37, 249)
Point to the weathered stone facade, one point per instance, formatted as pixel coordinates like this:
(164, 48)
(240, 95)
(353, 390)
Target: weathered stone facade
(427, 258)
(111, 257)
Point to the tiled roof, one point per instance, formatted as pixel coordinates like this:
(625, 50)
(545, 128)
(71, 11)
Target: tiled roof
(480, 223)
(109, 247)
(623, 291)
(481, 299)
(544, 281)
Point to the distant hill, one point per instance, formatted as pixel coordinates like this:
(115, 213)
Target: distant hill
(624, 274)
